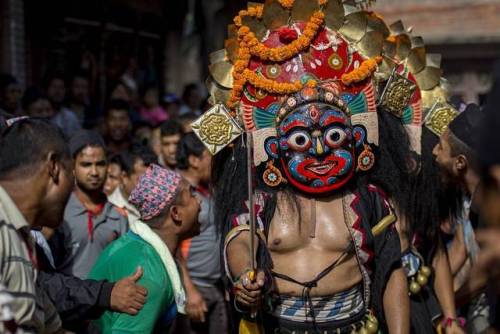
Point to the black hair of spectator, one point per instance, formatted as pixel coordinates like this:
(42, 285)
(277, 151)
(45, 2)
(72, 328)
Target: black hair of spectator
(31, 95)
(188, 89)
(190, 116)
(458, 147)
(189, 145)
(26, 143)
(80, 75)
(138, 125)
(85, 138)
(117, 104)
(51, 77)
(141, 124)
(117, 160)
(115, 85)
(6, 80)
(170, 128)
(138, 151)
(148, 87)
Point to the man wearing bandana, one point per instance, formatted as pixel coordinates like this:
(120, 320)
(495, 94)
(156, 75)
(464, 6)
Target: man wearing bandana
(168, 214)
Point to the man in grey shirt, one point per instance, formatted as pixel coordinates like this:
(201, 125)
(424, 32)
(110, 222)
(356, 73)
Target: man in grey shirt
(90, 221)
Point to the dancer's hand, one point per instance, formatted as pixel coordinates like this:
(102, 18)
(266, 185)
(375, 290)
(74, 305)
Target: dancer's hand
(195, 305)
(248, 291)
(454, 328)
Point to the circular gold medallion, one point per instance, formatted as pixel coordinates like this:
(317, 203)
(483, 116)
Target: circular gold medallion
(335, 61)
(273, 71)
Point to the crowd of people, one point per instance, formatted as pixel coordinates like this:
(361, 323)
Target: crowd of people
(102, 165)
(118, 219)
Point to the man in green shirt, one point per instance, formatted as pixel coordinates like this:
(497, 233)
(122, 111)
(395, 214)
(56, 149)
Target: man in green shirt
(169, 212)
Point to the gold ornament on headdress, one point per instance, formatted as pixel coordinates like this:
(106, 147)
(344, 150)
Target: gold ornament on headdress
(216, 128)
(397, 94)
(440, 115)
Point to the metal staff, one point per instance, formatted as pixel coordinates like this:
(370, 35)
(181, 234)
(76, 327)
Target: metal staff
(251, 204)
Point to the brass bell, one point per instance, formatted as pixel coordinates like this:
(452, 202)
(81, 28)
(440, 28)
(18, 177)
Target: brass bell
(415, 287)
(372, 318)
(371, 327)
(426, 271)
(422, 279)
(363, 330)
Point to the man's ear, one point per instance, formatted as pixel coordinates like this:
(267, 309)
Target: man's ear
(53, 167)
(176, 215)
(461, 163)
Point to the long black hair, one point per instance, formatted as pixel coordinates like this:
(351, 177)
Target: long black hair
(230, 186)
(413, 182)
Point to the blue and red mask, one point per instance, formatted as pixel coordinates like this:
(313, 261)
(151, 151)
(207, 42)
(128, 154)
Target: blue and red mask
(315, 145)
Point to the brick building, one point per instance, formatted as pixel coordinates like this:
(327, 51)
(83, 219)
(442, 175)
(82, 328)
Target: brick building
(466, 33)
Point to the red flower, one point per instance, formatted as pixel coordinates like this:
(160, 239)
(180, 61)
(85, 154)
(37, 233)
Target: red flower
(287, 35)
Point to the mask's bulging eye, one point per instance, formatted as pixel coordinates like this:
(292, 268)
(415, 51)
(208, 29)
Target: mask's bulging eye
(299, 141)
(335, 137)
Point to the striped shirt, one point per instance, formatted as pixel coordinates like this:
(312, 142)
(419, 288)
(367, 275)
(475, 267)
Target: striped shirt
(33, 311)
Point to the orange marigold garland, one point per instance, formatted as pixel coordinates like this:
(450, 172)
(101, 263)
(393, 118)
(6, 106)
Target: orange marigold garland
(250, 45)
(282, 53)
(288, 4)
(286, 52)
(362, 72)
(271, 86)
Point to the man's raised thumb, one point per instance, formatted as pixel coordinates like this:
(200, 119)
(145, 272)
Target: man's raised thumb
(137, 275)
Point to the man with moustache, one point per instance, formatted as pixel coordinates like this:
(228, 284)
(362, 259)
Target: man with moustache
(456, 154)
(90, 221)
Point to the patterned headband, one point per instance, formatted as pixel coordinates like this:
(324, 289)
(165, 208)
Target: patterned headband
(155, 190)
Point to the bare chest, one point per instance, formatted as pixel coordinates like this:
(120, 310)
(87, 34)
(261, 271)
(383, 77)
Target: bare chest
(317, 224)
